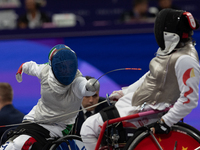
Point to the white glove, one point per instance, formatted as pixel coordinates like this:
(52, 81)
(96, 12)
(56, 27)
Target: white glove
(116, 95)
(19, 74)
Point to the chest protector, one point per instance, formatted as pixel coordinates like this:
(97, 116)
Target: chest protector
(161, 84)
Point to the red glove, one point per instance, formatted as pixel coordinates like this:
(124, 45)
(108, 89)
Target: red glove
(19, 74)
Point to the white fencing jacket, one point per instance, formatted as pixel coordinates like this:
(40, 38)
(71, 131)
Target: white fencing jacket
(59, 104)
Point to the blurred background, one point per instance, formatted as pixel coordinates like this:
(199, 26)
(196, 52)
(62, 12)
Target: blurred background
(105, 34)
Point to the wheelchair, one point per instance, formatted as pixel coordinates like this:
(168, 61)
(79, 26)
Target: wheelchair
(182, 137)
(72, 142)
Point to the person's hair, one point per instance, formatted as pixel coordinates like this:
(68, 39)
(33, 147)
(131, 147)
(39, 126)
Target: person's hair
(137, 2)
(6, 92)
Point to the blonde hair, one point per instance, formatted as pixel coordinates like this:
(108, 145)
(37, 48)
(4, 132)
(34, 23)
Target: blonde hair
(6, 92)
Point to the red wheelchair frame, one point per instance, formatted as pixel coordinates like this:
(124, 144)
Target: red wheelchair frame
(180, 131)
(181, 137)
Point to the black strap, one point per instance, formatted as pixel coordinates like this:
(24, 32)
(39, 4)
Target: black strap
(110, 113)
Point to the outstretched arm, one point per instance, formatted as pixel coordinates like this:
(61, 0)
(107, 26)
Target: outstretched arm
(125, 90)
(83, 87)
(30, 68)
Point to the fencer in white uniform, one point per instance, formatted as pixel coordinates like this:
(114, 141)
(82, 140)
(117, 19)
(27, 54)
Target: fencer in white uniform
(62, 91)
(172, 79)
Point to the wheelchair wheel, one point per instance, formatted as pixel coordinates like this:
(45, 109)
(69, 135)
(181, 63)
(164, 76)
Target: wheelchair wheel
(4, 135)
(68, 142)
(182, 136)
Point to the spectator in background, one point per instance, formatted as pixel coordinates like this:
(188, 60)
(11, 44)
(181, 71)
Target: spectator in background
(138, 12)
(8, 113)
(34, 17)
(162, 4)
(88, 101)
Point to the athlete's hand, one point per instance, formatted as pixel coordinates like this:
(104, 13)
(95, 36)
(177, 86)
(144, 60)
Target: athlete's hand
(92, 85)
(161, 127)
(116, 95)
(19, 74)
